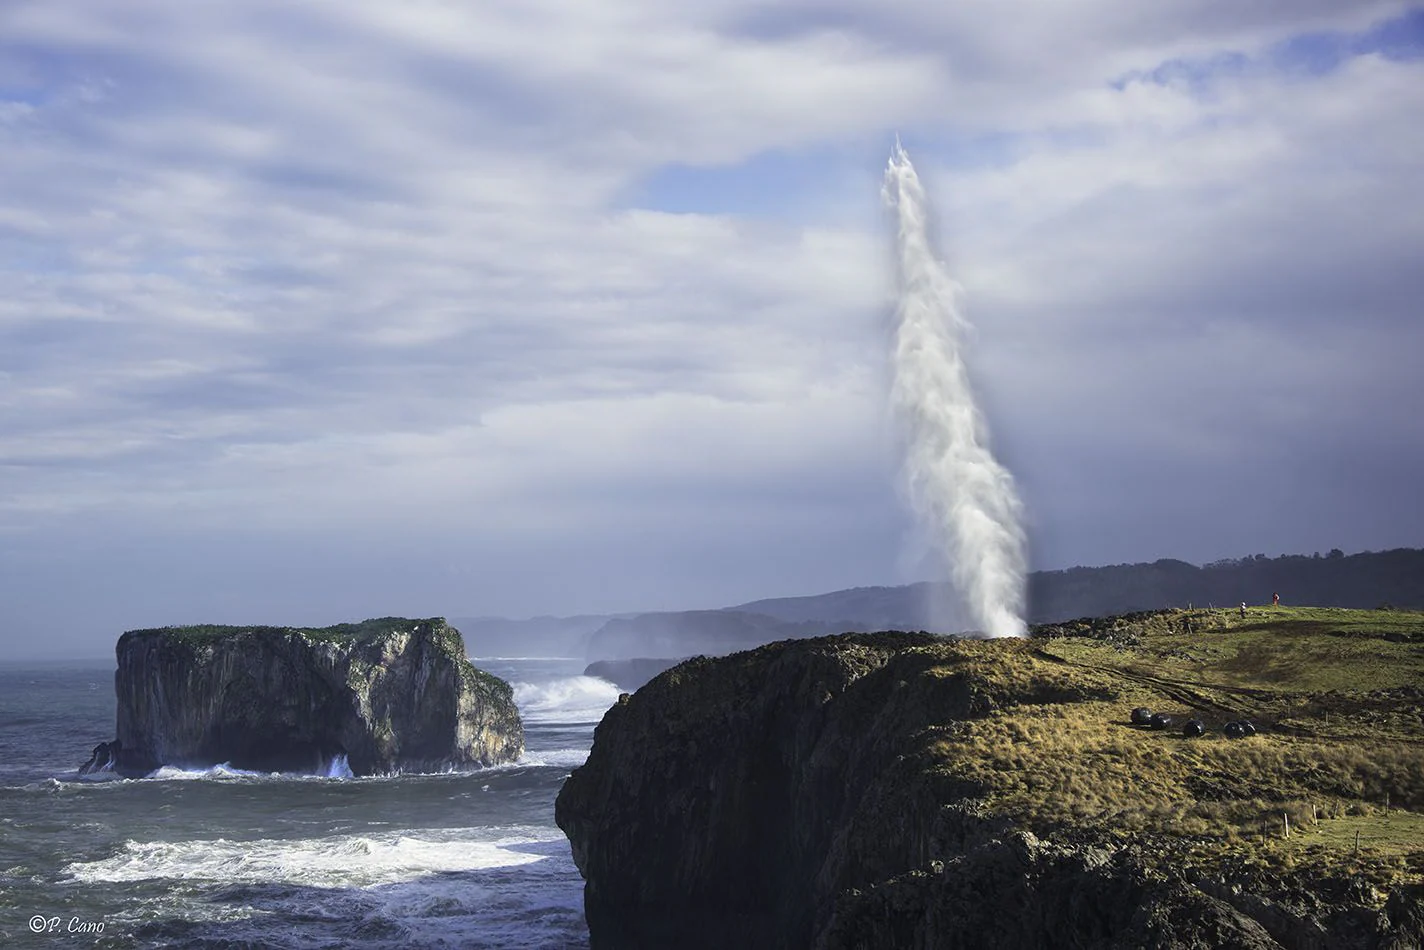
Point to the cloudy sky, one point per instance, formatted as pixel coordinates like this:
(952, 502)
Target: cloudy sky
(312, 312)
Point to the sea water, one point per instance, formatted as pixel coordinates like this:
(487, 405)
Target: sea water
(228, 858)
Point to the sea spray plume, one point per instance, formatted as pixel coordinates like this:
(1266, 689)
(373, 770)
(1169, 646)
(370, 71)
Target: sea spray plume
(963, 495)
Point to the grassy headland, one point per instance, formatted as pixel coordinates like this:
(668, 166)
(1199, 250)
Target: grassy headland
(1337, 696)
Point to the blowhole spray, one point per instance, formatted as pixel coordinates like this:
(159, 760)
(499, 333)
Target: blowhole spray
(959, 491)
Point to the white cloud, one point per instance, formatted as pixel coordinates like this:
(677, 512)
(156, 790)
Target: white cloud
(366, 264)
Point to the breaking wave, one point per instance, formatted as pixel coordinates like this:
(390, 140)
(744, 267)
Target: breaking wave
(572, 699)
(343, 861)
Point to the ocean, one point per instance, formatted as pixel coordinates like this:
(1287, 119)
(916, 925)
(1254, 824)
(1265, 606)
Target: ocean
(223, 859)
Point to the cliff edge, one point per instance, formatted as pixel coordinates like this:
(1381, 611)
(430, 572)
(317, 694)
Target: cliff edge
(908, 791)
(389, 694)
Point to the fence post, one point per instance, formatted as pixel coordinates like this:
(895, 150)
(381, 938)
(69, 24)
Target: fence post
(1285, 822)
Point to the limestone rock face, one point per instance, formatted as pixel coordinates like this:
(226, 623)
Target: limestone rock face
(390, 694)
(791, 797)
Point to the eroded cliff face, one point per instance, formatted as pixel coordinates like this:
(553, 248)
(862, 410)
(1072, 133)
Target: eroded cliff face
(389, 695)
(793, 797)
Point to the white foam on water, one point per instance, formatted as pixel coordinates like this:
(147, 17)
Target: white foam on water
(339, 769)
(572, 699)
(510, 887)
(171, 773)
(556, 758)
(343, 861)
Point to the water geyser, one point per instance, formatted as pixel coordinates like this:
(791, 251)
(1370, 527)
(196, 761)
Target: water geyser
(959, 491)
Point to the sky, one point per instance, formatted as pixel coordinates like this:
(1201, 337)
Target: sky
(316, 312)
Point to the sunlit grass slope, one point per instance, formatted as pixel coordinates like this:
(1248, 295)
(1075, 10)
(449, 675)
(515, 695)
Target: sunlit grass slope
(1337, 697)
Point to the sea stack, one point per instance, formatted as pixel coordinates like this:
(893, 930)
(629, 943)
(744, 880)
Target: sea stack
(387, 695)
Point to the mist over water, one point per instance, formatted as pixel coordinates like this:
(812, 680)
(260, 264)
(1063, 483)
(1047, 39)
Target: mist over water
(961, 494)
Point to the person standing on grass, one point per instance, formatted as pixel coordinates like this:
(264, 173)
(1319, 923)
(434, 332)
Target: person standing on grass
(1275, 600)
(1243, 610)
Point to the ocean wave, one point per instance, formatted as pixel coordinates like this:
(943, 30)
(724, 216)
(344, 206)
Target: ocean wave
(571, 699)
(423, 895)
(343, 861)
(173, 773)
(338, 770)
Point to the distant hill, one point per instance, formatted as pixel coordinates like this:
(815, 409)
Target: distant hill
(681, 633)
(1370, 579)
(868, 608)
(536, 636)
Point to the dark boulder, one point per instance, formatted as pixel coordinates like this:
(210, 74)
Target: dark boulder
(103, 759)
(1141, 716)
(1194, 728)
(1160, 721)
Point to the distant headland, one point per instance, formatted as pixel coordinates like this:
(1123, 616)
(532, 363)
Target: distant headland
(1366, 579)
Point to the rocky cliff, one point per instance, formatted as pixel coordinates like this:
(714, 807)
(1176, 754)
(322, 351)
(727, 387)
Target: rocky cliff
(905, 791)
(389, 694)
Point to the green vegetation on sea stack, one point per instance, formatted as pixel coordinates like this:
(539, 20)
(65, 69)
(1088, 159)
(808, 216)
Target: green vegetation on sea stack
(1337, 696)
(364, 631)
